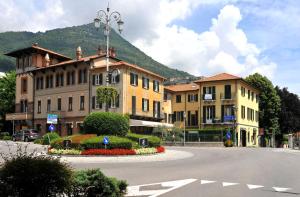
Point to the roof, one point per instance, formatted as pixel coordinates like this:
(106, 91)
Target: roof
(182, 87)
(218, 77)
(120, 63)
(34, 47)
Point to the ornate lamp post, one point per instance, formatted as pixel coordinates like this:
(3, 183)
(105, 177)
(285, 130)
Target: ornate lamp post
(106, 17)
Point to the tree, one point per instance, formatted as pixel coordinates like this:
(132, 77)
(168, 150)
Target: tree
(269, 102)
(7, 95)
(289, 117)
(106, 95)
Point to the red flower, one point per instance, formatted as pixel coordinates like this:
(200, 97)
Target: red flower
(108, 152)
(160, 149)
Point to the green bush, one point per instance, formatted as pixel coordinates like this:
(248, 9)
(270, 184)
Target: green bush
(153, 140)
(7, 138)
(95, 183)
(106, 123)
(57, 143)
(38, 141)
(29, 176)
(3, 134)
(52, 136)
(114, 142)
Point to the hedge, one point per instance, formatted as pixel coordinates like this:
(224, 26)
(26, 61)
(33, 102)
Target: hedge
(153, 140)
(114, 142)
(106, 123)
(52, 136)
(75, 141)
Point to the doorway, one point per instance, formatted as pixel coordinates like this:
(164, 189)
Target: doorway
(244, 138)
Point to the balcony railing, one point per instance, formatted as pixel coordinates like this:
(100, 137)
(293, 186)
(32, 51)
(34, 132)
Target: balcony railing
(227, 97)
(208, 97)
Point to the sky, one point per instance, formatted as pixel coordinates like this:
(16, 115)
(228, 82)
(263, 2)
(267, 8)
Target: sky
(202, 37)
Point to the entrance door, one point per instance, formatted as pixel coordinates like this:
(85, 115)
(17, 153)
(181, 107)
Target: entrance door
(133, 105)
(244, 138)
(69, 128)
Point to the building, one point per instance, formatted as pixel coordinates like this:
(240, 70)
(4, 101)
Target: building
(51, 83)
(218, 103)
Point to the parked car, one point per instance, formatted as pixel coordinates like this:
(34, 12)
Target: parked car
(25, 135)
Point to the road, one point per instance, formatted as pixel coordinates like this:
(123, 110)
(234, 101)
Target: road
(211, 172)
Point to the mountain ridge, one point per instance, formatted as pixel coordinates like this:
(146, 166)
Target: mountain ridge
(66, 40)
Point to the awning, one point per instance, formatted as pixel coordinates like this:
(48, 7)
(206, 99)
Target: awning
(143, 123)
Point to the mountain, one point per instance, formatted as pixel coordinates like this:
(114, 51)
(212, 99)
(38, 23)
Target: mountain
(66, 40)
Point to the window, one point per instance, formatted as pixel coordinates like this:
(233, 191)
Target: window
(70, 106)
(39, 83)
(39, 107)
(98, 79)
(249, 94)
(115, 102)
(257, 98)
(209, 93)
(227, 92)
(156, 109)
(134, 79)
(49, 81)
(243, 91)
(178, 116)
(48, 105)
(115, 76)
(24, 106)
(145, 83)
(82, 76)
(155, 86)
(208, 114)
(165, 96)
(252, 96)
(81, 107)
(61, 79)
(256, 116)
(95, 104)
(24, 85)
(192, 97)
(59, 104)
(145, 104)
(243, 112)
(178, 98)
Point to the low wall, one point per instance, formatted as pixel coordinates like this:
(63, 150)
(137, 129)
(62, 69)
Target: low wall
(198, 144)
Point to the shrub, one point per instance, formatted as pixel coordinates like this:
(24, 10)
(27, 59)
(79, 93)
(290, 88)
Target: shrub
(114, 142)
(38, 141)
(51, 136)
(160, 149)
(228, 143)
(106, 123)
(3, 134)
(7, 138)
(145, 151)
(95, 183)
(108, 152)
(64, 151)
(153, 140)
(27, 176)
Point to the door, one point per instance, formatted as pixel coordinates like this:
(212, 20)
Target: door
(244, 138)
(133, 105)
(69, 128)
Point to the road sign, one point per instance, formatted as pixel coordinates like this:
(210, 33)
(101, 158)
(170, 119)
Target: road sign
(66, 144)
(52, 118)
(143, 142)
(105, 140)
(51, 128)
(228, 135)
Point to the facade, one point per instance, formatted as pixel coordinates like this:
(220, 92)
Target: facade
(223, 101)
(55, 84)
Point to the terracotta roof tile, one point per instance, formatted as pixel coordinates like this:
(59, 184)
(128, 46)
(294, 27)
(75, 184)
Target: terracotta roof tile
(218, 77)
(182, 87)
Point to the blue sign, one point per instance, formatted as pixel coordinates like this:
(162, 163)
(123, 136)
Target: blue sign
(51, 128)
(228, 135)
(105, 140)
(229, 118)
(52, 118)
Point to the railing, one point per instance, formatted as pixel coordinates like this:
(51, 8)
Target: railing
(208, 97)
(227, 97)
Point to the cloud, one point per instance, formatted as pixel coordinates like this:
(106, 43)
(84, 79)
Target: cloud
(223, 48)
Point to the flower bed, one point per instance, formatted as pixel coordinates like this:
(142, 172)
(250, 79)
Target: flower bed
(160, 149)
(108, 152)
(64, 151)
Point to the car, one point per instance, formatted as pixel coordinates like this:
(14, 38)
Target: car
(26, 135)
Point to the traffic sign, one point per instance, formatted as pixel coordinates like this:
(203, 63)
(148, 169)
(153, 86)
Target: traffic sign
(52, 118)
(228, 135)
(229, 118)
(105, 140)
(143, 142)
(51, 128)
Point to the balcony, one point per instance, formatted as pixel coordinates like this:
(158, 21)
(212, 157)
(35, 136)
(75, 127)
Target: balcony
(209, 97)
(218, 121)
(19, 116)
(228, 97)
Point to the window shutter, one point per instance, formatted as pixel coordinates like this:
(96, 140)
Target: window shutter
(109, 77)
(148, 83)
(214, 93)
(143, 82)
(93, 102)
(131, 78)
(196, 97)
(157, 86)
(137, 80)
(204, 114)
(94, 80)
(158, 108)
(214, 112)
(222, 113)
(189, 98)
(118, 101)
(143, 104)
(117, 78)
(147, 105)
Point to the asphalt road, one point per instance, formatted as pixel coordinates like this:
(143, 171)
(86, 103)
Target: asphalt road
(210, 172)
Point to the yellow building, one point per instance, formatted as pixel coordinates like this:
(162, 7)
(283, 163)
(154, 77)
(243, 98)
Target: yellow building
(219, 103)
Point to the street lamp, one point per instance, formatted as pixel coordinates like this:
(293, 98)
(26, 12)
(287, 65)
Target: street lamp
(235, 108)
(184, 118)
(105, 17)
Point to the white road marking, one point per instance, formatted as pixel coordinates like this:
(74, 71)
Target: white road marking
(226, 184)
(135, 190)
(254, 186)
(280, 189)
(206, 182)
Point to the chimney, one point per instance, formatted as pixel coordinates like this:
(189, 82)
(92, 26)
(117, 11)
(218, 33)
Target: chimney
(47, 60)
(35, 44)
(112, 52)
(100, 51)
(78, 53)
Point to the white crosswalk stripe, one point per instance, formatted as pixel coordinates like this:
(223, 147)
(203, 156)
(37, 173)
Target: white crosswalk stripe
(206, 182)
(281, 189)
(226, 184)
(254, 186)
